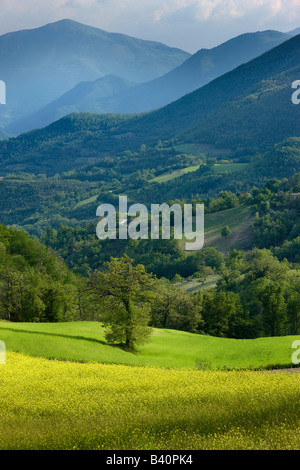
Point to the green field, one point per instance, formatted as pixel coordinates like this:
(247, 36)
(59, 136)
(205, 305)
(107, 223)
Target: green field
(238, 219)
(196, 285)
(84, 342)
(91, 396)
(229, 167)
(174, 174)
(218, 168)
(86, 201)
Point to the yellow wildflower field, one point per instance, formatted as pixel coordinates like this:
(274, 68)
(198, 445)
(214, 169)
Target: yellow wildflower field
(47, 404)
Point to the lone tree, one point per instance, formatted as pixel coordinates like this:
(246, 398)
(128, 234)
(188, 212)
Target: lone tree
(225, 232)
(122, 292)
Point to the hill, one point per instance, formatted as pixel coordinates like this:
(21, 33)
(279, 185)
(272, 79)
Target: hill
(197, 107)
(84, 342)
(294, 32)
(281, 161)
(254, 121)
(83, 97)
(259, 90)
(239, 220)
(196, 71)
(3, 135)
(41, 64)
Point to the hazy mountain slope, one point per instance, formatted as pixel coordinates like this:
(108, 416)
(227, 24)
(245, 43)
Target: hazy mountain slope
(41, 64)
(201, 68)
(294, 32)
(85, 95)
(255, 96)
(3, 135)
(198, 70)
(190, 110)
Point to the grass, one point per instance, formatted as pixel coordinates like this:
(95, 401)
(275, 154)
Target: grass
(196, 285)
(238, 219)
(163, 178)
(84, 342)
(229, 167)
(86, 201)
(91, 396)
(48, 405)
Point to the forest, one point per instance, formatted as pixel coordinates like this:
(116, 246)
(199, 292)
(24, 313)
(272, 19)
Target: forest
(257, 293)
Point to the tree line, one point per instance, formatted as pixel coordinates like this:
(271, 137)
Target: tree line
(257, 295)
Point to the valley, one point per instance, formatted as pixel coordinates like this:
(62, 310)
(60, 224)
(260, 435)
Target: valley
(135, 343)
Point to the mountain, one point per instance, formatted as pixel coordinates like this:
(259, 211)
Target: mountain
(41, 64)
(196, 71)
(248, 107)
(195, 109)
(254, 121)
(294, 32)
(85, 95)
(3, 135)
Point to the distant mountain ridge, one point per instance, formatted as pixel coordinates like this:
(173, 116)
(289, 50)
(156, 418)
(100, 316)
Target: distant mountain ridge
(248, 109)
(196, 71)
(39, 65)
(294, 32)
(3, 135)
(83, 96)
(193, 109)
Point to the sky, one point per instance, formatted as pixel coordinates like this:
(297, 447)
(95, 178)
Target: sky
(187, 24)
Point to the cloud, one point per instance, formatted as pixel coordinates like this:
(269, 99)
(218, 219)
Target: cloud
(181, 23)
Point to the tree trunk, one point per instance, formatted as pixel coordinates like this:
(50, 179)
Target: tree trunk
(129, 327)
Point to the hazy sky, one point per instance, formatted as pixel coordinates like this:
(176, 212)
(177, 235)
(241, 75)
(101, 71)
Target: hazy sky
(187, 24)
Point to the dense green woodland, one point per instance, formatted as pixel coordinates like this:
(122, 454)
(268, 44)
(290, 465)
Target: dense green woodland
(36, 201)
(35, 283)
(258, 293)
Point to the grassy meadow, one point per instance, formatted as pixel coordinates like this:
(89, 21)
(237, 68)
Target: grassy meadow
(239, 220)
(163, 178)
(229, 167)
(84, 342)
(218, 168)
(64, 388)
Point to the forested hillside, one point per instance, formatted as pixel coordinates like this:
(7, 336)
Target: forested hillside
(150, 230)
(35, 284)
(231, 145)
